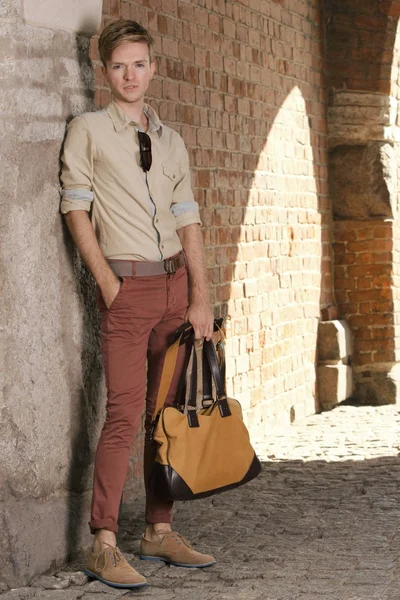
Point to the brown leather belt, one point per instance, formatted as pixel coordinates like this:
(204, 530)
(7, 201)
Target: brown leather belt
(139, 268)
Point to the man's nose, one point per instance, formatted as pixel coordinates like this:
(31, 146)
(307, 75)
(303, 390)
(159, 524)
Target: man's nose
(129, 73)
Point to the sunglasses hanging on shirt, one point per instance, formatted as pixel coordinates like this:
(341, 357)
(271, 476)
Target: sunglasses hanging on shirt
(145, 151)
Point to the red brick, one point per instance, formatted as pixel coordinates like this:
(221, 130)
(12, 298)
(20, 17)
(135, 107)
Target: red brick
(186, 51)
(170, 7)
(215, 22)
(382, 357)
(185, 11)
(329, 313)
(115, 8)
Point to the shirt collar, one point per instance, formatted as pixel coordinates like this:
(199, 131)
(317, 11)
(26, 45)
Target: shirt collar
(121, 120)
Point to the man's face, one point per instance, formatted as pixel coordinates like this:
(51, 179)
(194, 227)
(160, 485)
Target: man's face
(129, 71)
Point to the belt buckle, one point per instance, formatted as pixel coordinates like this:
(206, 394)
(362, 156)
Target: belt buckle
(169, 266)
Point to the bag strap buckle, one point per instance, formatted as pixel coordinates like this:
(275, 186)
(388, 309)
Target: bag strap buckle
(193, 419)
(223, 406)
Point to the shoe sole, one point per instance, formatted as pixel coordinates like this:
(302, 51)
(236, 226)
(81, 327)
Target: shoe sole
(112, 584)
(176, 564)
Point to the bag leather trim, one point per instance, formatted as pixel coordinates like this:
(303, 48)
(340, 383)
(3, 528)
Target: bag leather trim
(164, 479)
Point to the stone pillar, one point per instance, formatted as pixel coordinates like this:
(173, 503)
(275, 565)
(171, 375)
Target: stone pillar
(48, 400)
(363, 144)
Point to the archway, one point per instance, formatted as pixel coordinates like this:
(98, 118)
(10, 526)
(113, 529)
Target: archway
(362, 45)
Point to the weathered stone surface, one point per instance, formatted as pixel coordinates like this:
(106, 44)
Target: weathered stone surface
(358, 118)
(25, 593)
(59, 595)
(64, 516)
(334, 341)
(363, 180)
(48, 582)
(377, 387)
(50, 368)
(335, 384)
(74, 578)
(345, 98)
(84, 17)
(10, 8)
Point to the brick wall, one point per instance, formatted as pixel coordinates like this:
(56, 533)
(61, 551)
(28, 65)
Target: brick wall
(244, 88)
(364, 252)
(360, 41)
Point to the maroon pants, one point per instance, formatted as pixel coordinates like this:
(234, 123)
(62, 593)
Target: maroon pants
(136, 328)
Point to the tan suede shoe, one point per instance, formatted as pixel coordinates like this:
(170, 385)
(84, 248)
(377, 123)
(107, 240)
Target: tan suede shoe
(110, 567)
(172, 548)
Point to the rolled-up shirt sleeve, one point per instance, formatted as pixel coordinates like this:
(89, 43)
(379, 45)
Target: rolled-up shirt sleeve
(184, 207)
(77, 168)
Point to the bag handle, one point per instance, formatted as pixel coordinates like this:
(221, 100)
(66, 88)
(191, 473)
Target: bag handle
(212, 360)
(218, 375)
(208, 399)
(180, 397)
(185, 335)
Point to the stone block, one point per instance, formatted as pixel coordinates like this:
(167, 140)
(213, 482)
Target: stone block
(363, 180)
(74, 15)
(360, 117)
(335, 384)
(334, 341)
(347, 98)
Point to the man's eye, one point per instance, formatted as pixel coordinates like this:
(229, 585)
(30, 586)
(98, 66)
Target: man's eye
(140, 64)
(115, 67)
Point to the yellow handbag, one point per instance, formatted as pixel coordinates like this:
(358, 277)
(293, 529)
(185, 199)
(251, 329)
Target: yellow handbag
(199, 452)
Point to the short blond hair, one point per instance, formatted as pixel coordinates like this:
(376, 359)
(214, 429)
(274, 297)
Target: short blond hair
(118, 32)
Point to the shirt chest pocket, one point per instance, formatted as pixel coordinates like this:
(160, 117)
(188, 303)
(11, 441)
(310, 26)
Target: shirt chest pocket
(171, 173)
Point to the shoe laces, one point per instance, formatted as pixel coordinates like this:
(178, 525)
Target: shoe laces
(180, 539)
(112, 552)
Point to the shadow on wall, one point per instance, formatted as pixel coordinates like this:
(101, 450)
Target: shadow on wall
(86, 417)
(281, 267)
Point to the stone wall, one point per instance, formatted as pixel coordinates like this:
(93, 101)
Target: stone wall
(49, 364)
(243, 85)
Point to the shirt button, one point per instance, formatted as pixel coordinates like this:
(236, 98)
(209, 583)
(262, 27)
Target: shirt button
(157, 220)
(173, 176)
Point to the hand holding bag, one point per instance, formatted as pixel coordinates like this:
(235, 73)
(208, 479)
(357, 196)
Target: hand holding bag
(200, 453)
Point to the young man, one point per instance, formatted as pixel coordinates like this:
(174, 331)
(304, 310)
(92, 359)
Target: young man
(143, 246)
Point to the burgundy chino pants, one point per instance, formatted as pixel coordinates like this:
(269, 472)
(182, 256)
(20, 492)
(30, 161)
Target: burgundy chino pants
(136, 329)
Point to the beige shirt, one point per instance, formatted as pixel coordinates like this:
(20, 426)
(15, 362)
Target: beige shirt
(135, 214)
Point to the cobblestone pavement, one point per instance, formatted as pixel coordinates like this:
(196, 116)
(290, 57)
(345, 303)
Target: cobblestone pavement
(320, 523)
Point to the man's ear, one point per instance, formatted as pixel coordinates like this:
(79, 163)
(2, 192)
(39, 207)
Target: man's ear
(104, 71)
(153, 68)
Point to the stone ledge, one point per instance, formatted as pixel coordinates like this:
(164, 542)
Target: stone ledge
(357, 118)
(71, 15)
